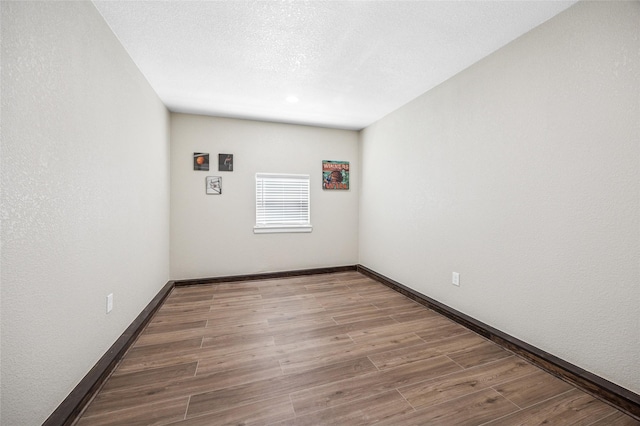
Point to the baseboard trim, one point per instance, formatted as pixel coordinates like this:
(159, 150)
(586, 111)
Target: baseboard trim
(68, 411)
(265, 275)
(621, 398)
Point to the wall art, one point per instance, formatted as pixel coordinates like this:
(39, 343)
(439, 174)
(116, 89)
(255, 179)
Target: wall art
(335, 174)
(225, 162)
(214, 185)
(200, 161)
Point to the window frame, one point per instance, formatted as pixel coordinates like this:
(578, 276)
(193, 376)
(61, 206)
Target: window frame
(278, 224)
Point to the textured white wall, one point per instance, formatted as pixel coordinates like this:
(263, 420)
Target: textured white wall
(212, 235)
(522, 173)
(85, 199)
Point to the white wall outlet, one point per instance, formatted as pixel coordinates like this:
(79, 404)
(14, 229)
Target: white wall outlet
(455, 278)
(109, 302)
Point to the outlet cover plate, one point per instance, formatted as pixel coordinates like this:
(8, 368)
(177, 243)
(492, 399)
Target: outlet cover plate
(455, 278)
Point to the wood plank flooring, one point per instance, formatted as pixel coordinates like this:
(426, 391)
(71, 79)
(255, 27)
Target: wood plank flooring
(330, 349)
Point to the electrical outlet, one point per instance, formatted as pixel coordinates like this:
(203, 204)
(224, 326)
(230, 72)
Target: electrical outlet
(455, 278)
(109, 302)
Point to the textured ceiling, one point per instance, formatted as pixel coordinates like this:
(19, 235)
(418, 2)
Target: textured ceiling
(342, 64)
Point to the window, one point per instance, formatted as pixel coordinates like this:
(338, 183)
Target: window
(282, 203)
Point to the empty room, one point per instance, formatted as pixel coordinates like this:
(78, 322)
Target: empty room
(320, 212)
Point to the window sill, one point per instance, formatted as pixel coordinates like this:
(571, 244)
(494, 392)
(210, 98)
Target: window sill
(281, 229)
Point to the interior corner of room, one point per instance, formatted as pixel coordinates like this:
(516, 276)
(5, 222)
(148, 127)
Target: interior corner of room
(519, 173)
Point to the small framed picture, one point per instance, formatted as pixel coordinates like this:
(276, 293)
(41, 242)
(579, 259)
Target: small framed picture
(214, 185)
(335, 174)
(200, 161)
(225, 162)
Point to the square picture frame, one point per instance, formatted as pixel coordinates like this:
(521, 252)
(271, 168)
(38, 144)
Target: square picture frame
(201, 161)
(225, 162)
(214, 185)
(335, 175)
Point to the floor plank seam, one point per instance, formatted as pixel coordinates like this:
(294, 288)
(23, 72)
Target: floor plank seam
(513, 402)
(186, 409)
(459, 365)
(500, 418)
(602, 419)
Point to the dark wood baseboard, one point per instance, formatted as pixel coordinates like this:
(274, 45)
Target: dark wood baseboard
(265, 276)
(611, 393)
(72, 406)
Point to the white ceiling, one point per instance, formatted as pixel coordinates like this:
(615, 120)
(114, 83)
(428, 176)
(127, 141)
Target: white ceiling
(342, 64)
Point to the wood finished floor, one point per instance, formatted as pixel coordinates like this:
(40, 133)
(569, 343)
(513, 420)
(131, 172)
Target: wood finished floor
(336, 349)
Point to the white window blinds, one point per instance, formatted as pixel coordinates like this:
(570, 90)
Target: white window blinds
(282, 203)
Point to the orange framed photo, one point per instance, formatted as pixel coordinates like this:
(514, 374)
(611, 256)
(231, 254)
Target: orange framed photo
(200, 161)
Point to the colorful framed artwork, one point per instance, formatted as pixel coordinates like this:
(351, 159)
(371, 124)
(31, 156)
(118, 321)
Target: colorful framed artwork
(335, 174)
(200, 161)
(214, 185)
(225, 162)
